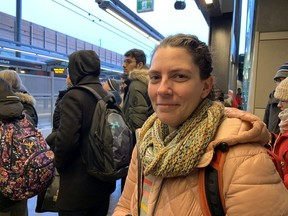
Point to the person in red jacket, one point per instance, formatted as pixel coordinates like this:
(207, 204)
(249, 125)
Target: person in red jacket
(280, 146)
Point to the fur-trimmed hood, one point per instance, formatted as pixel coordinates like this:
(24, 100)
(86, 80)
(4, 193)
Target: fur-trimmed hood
(140, 74)
(10, 108)
(26, 98)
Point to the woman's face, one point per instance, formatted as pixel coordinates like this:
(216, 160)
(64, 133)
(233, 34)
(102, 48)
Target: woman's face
(175, 87)
(283, 105)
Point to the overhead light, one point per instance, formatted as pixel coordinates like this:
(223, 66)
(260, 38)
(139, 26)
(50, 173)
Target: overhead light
(127, 23)
(129, 18)
(55, 58)
(33, 53)
(209, 1)
(16, 50)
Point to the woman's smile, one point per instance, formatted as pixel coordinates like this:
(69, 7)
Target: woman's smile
(166, 107)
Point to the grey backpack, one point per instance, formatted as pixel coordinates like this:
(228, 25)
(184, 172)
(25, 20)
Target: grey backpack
(108, 153)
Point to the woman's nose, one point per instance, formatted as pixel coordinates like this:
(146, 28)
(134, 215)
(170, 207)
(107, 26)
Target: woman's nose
(164, 87)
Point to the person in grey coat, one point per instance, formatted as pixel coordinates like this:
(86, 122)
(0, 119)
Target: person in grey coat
(272, 110)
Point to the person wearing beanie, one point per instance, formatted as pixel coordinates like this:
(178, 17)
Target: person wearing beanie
(272, 110)
(79, 192)
(113, 86)
(280, 145)
(27, 100)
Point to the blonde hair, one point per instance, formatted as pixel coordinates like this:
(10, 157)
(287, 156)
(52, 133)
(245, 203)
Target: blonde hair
(12, 78)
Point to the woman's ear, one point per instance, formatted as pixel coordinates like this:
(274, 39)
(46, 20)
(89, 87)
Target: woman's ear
(207, 86)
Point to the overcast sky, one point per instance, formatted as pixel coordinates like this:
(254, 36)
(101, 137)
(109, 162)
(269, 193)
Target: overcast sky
(72, 17)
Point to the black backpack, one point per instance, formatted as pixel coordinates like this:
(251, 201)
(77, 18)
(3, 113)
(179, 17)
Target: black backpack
(108, 153)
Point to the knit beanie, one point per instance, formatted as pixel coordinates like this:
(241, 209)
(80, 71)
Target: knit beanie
(113, 84)
(282, 71)
(281, 91)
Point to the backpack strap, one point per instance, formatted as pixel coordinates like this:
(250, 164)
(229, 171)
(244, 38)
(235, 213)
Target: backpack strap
(89, 89)
(210, 186)
(108, 98)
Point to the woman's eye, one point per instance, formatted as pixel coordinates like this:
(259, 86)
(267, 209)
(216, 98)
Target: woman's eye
(180, 77)
(154, 77)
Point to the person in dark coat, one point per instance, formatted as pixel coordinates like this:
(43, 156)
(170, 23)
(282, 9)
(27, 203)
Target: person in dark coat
(272, 110)
(57, 112)
(10, 108)
(113, 86)
(27, 100)
(79, 192)
(136, 102)
(28, 107)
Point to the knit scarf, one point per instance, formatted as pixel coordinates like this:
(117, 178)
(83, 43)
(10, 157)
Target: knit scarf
(178, 153)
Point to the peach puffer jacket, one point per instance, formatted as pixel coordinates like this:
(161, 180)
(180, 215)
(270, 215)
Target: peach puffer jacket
(251, 184)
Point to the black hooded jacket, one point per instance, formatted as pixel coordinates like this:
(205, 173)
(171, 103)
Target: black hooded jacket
(78, 190)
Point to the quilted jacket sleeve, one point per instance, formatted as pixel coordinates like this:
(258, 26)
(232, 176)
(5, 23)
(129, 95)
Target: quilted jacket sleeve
(127, 198)
(253, 185)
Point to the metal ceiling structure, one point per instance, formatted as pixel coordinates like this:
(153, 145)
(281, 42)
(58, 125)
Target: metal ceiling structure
(217, 9)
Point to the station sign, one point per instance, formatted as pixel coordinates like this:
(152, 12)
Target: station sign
(59, 70)
(145, 6)
(20, 63)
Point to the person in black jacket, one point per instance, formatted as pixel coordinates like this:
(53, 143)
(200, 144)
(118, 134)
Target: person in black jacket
(79, 193)
(57, 112)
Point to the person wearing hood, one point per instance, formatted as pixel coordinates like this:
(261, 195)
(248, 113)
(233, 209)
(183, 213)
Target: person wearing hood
(10, 109)
(79, 193)
(179, 140)
(27, 100)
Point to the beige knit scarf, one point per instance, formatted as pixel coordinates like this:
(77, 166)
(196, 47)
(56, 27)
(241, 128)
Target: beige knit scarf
(177, 153)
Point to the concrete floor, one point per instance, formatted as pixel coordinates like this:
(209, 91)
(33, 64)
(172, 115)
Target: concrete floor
(113, 201)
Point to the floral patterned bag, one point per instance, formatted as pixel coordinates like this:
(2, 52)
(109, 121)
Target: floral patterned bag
(26, 162)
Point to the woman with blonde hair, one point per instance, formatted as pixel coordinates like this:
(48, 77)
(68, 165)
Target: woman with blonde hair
(27, 100)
